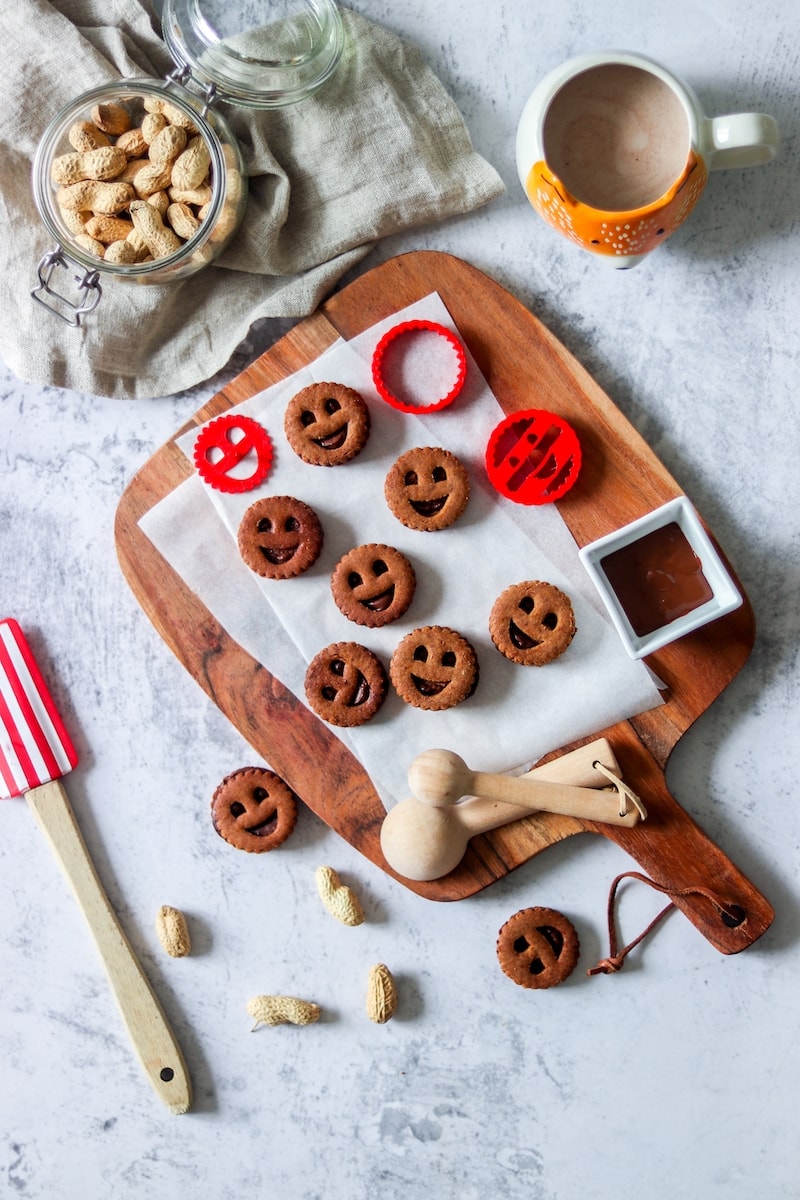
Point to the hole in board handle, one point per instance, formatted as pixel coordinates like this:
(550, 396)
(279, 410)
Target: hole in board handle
(734, 916)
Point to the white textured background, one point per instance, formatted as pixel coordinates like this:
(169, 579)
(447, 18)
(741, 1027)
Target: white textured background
(677, 1077)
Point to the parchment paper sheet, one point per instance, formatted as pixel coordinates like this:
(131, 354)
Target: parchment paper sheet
(517, 714)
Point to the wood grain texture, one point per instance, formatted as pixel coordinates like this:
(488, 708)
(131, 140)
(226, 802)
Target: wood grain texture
(621, 479)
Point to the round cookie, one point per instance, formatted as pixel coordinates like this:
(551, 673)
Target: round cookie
(427, 488)
(254, 810)
(538, 947)
(531, 623)
(279, 537)
(346, 684)
(373, 584)
(327, 424)
(434, 668)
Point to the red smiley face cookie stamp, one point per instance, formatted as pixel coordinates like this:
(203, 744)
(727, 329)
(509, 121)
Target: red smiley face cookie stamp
(533, 457)
(233, 453)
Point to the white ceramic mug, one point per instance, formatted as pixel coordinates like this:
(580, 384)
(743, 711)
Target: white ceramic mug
(614, 151)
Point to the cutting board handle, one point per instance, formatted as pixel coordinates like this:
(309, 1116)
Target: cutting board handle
(675, 852)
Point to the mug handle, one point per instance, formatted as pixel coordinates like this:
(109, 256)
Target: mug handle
(741, 140)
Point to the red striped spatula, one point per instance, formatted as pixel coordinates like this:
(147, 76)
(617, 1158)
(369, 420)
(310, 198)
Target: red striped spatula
(35, 751)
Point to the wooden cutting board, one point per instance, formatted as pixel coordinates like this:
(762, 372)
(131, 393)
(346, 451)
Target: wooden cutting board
(621, 479)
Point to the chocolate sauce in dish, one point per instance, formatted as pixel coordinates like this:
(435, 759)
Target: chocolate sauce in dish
(657, 579)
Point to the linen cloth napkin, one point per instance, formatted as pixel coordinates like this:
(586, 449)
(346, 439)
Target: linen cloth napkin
(379, 149)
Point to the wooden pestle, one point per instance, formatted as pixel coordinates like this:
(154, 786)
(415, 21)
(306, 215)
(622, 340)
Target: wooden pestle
(423, 842)
(441, 778)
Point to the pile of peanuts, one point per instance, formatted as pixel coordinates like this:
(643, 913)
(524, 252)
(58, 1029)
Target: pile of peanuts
(136, 194)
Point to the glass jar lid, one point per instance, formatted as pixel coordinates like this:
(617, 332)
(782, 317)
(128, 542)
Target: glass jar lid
(262, 55)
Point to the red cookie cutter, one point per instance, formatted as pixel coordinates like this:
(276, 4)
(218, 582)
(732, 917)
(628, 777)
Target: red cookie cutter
(533, 457)
(389, 339)
(218, 436)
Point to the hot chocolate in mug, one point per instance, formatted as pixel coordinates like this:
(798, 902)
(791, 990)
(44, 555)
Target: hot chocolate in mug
(613, 151)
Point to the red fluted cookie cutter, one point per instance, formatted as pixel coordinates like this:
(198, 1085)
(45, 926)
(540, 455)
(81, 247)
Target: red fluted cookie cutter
(218, 452)
(390, 338)
(533, 457)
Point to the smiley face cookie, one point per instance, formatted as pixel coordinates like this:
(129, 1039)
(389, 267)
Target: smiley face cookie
(538, 947)
(279, 537)
(373, 584)
(434, 668)
(254, 810)
(346, 684)
(531, 623)
(327, 424)
(427, 488)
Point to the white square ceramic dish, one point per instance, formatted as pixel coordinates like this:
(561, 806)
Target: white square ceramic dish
(712, 582)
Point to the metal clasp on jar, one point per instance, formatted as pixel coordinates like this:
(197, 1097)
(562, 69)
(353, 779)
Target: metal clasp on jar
(89, 289)
(207, 91)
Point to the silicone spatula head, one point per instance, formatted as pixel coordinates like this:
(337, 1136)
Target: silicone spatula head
(34, 744)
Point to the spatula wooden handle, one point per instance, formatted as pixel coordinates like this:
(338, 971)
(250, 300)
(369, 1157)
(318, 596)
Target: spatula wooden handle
(152, 1037)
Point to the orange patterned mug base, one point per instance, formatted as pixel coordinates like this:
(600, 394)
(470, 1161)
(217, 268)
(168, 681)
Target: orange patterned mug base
(616, 234)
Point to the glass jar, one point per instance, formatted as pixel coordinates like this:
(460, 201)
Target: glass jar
(278, 61)
(286, 55)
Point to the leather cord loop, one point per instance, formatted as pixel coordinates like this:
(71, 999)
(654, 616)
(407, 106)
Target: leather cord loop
(616, 957)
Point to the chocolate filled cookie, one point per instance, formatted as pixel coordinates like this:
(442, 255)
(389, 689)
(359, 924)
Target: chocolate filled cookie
(538, 947)
(254, 810)
(327, 424)
(346, 684)
(434, 668)
(531, 623)
(279, 537)
(373, 584)
(427, 488)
